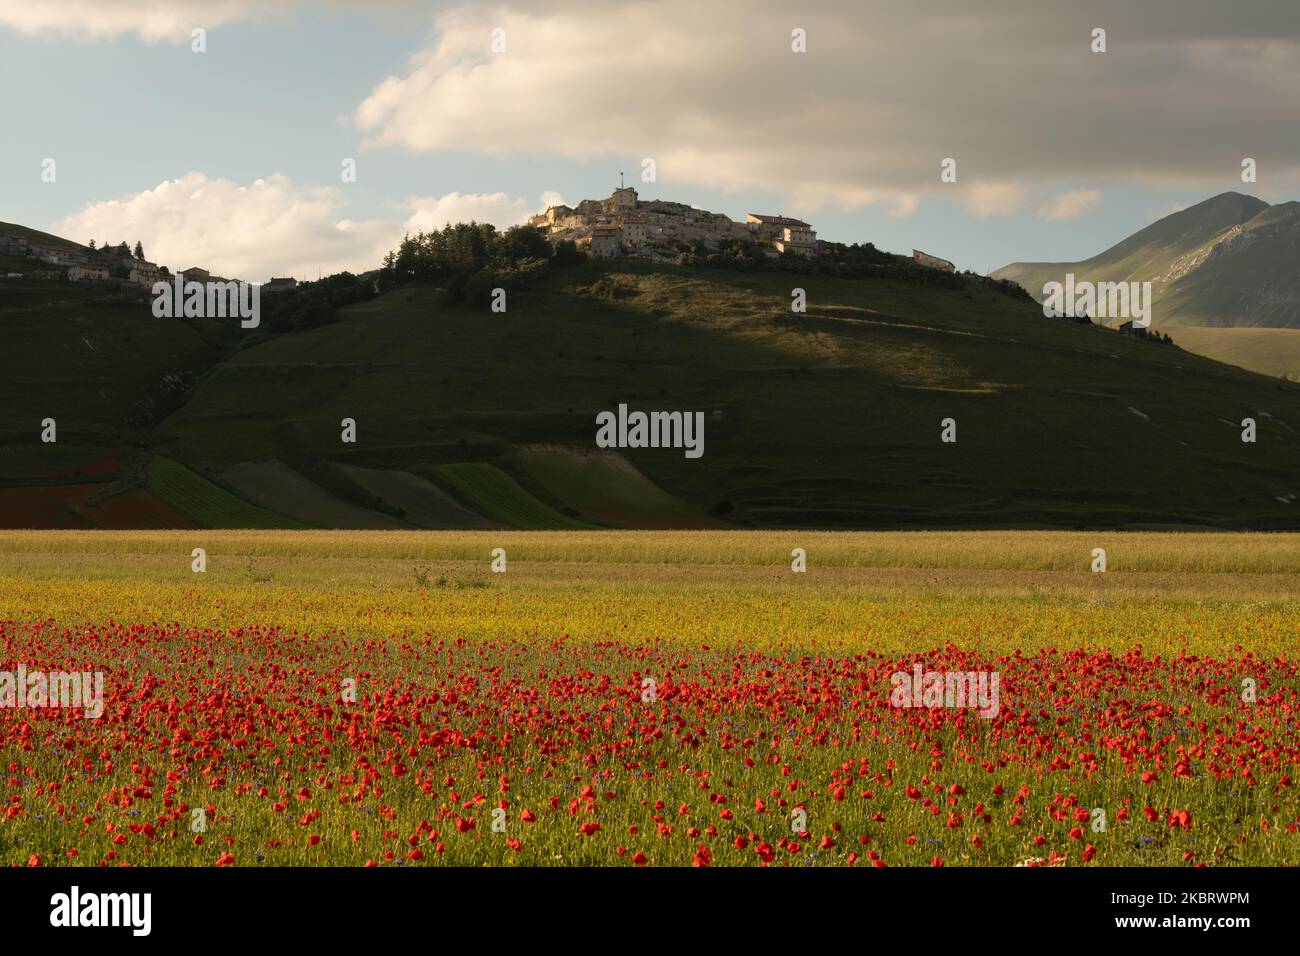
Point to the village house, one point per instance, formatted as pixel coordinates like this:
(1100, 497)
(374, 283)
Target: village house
(932, 262)
(280, 285)
(88, 271)
(636, 230)
(801, 240)
(203, 276)
(56, 255)
(606, 241)
(14, 245)
(145, 273)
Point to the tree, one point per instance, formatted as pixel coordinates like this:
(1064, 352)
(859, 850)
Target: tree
(139, 251)
(523, 242)
(91, 245)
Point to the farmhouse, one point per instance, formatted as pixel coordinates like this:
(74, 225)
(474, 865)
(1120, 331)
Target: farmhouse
(932, 262)
(280, 285)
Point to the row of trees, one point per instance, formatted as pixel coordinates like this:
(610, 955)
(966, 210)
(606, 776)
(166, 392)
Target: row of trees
(121, 249)
(473, 258)
(312, 304)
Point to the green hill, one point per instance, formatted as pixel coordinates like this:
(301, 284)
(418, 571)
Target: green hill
(829, 418)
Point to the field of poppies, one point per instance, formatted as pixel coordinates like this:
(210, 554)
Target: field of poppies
(632, 699)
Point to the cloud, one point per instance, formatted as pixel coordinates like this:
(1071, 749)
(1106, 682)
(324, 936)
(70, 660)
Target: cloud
(150, 20)
(883, 93)
(271, 227)
(985, 199)
(268, 227)
(434, 212)
(1069, 205)
(159, 20)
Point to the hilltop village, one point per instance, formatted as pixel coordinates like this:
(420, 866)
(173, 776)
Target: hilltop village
(625, 223)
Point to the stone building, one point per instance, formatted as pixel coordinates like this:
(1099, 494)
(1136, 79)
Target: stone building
(145, 273)
(89, 271)
(932, 262)
(606, 241)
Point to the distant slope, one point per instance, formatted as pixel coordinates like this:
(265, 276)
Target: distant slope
(1230, 261)
(210, 505)
(493, 493)
(276, 487)
(606, 488)
(1267, 351)
(423, 503)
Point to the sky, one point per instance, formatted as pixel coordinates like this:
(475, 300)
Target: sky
(229, 149)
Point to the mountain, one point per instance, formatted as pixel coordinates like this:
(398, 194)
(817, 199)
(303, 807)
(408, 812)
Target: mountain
(1223, 265)
(464, 417)
(1228, 262)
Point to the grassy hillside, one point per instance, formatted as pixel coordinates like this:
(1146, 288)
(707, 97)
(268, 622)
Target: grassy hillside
(825, 419)
(491, 492)
(1267, 351)
(208, 504)
(93, 359)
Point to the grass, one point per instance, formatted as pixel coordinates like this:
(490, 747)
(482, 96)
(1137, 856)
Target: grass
(495, 495)
(1267, 351)
(208, 504)
(607, 490)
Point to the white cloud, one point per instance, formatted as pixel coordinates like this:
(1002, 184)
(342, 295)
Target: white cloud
(151, 20)
(985, 199)
(271, 227)
(268, 227)
(1069, 205)
(434, 212)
